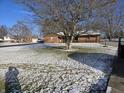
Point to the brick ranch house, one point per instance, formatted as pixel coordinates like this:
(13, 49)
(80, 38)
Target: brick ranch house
(89, 37)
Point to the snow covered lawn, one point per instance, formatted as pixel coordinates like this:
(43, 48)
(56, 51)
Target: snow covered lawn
(44, 69)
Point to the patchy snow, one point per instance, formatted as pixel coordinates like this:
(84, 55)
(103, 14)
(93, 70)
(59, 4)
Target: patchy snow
(82, 45)
(44, 70)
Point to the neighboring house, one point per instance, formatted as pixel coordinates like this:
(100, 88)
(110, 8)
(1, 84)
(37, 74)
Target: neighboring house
(87, 38)
(53, 38)
(1, 40)
(90, 36)
(34, 40)
(16, 39)
(7, 38)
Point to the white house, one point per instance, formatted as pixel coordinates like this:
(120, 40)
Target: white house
(7, 38)
(1, 40)
(34, 40)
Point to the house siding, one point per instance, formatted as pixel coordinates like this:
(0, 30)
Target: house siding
(81, 39)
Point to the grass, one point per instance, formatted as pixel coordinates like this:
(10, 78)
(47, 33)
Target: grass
(59, 50)
(2, 85)
(59, 54)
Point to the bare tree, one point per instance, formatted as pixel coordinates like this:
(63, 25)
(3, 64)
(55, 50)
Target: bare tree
(21, 32)
(110, 20)
(3, 31)
(64, 15)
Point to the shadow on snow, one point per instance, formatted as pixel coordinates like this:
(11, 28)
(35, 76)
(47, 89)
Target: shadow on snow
(99, 61)
(12, 84)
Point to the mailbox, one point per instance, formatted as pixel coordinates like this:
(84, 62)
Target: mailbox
(121, 47)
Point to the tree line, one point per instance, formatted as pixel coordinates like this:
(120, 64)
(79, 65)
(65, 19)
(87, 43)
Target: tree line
(19, 31)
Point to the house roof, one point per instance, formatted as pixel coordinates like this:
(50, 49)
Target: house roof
(90, 32)
(51, 35)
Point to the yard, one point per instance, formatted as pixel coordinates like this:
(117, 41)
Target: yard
(49, 69)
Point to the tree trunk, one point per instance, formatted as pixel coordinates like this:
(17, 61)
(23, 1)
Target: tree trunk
(110, 37)
(69, 40)
(110, 31)
(68, 46)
